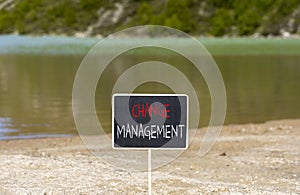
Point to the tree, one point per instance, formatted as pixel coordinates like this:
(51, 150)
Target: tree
(221, 23)
(174, 22)
(178, 13)
(144, 13)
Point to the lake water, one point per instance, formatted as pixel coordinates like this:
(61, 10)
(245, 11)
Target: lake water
(262, 80)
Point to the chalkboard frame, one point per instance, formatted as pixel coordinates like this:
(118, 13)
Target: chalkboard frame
(117, 147)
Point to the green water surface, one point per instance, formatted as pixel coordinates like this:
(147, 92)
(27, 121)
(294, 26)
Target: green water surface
(262, 79)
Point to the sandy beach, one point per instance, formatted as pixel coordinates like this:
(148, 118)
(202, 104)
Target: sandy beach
(249, 158)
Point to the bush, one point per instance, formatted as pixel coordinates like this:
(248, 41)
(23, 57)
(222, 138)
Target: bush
(221, 23)
(174, 22)
(223, 3)
(70, 17)
(248, 22)
(178, 13)
(144, 13)
(6, 22)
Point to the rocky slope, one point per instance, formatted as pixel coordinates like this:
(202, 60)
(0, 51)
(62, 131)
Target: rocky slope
(202, 18)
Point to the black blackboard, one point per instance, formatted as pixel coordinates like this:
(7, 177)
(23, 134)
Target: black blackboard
(149, 121)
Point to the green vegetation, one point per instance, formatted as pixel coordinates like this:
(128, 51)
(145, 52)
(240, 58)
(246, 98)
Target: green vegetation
(45, 16)
(175, 14)
(206, 17)
(221, 22)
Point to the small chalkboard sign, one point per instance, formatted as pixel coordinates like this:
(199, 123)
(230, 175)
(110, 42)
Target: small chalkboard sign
(149, 121)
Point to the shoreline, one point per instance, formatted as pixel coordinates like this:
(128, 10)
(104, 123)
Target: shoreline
(247, 158)
(70, 45)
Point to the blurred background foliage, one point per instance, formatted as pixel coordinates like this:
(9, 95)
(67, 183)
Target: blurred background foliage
(197, 17)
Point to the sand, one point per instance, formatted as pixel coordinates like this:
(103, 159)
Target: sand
(251, 158)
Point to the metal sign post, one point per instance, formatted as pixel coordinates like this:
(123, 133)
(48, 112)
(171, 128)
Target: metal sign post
(149, 172)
